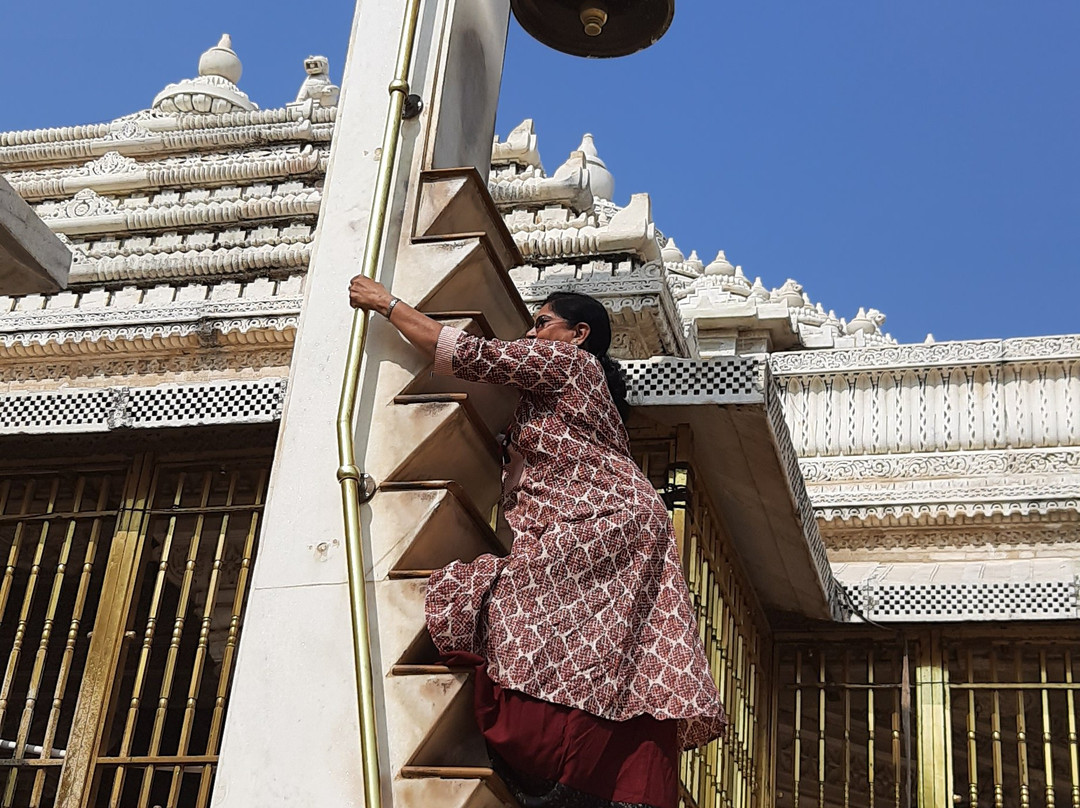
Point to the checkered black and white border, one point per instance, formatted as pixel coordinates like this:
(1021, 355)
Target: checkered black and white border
(69, 411)
(253, 401)
(669, 380)
(167, 405)
(1020, 600)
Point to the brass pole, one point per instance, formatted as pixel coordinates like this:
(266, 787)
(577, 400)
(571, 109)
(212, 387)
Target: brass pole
(348, 473)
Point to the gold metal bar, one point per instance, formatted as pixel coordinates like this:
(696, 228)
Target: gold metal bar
(821, 726)
(847, 730)
(995, 735)
(348, 473)
(179, 619)
(60, 689)
(797, 731)
(972, 748)
(728, 639)
(1011, 686)
(932, 721)
(229, 653)
(13, 551)
(203, 647)
(24, 615)
(1047, 737)
(1021, 736)
(896, 738)
(149, 632)
(871, 727)
(1074, 753)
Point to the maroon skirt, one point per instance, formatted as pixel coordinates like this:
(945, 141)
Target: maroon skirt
(550, 755)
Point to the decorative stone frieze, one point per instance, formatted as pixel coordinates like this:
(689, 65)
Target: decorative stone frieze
(551, 235)
(90, 212)
(137, 141)
(953, 466)
(144, 368)
(956, 539)
(115, 173)
(930, 513)
(980, 404)
(569, 186)
(156, 318)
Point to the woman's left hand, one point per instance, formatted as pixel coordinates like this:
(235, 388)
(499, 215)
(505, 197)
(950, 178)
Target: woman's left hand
(368, 295)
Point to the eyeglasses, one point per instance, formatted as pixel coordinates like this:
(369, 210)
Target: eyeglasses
(544, 320)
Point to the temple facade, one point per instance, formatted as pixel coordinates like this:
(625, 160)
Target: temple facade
(882, 540)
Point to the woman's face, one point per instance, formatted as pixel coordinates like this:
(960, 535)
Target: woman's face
(549, 325)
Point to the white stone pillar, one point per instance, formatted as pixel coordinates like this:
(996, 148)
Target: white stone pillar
(291, 735)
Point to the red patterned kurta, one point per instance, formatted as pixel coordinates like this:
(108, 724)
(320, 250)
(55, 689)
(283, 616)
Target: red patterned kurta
(590, 609)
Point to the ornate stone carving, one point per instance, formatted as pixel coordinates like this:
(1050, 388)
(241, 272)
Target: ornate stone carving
(317, 87)
(120, 173)
(630, 231)
(180, 139)
(519, 147)
(908, 513)
(214, 90)
(569, 186)
(88, 212)
(189, 366)
(1010, 536)
(972, 406)
(931, 466)
(85, 204)
(110, 163)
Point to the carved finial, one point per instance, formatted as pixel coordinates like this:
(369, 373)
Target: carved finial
(720, 266)
(671, 254)
(867, 322)
(601, 180)
(791, 293)
(317, 86)
(221, 60)
(929, 339)
(214, 90)
(519, 147)
(758, 290)
(694, 263)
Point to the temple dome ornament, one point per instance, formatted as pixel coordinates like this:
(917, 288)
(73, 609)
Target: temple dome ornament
(671, 254)
(695, 264)
(214, 90)
(720, 266)
(601, 180)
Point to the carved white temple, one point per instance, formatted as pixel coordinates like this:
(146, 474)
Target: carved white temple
(933, 487)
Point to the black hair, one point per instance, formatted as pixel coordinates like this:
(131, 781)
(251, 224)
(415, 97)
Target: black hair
(576, 308)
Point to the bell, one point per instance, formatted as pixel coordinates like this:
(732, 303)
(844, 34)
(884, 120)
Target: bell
(597, 28)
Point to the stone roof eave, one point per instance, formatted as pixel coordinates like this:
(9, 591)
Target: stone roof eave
(32, 258)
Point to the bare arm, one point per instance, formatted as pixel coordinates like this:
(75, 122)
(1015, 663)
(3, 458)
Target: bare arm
(416, 327)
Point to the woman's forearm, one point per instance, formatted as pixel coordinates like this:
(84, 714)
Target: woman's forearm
(416, 327)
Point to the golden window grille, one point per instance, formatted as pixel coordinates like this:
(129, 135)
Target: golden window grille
(1013, 713)
(844, 727)
(156, 558)
(735, 772)
(56, 533)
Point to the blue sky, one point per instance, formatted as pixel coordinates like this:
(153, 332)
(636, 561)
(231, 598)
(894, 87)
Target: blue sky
(921, 157)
